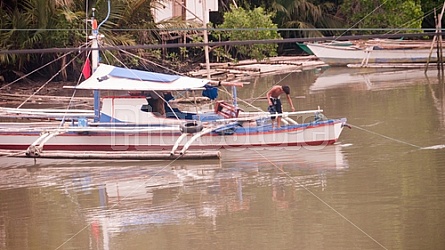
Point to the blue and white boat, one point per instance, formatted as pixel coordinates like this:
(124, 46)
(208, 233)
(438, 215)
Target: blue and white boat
(132, 122)
(143, 120)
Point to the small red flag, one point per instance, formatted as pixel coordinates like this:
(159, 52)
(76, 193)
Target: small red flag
(86, 71)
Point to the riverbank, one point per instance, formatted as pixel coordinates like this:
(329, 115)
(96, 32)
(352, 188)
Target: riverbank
(53, 94)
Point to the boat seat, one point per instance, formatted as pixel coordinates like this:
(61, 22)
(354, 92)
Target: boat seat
(226, 110)
(146, 108)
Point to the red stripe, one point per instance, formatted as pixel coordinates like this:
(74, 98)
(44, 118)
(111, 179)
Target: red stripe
(277, 131)
(159, 147)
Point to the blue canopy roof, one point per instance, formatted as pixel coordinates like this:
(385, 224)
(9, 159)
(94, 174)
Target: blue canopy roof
(107, 77)
(142, 75)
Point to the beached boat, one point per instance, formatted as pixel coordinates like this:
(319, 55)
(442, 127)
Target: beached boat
(143, 124)
(375, 52)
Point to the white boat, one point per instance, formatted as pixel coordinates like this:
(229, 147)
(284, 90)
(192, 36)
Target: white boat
(375, 53)
(125, 122)
(144, 125)
(125, 127)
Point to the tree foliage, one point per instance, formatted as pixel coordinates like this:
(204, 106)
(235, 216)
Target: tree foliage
(305, 17)
(389, 14)
(250, 25)
(429, 7)
(36, 24)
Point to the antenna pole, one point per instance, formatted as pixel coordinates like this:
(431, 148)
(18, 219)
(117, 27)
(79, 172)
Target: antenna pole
(95, 62)
(95, 56)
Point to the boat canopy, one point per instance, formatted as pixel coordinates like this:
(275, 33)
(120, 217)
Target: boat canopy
(107, 77)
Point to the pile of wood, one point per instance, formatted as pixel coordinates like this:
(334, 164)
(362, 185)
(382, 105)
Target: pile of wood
(249, 68)
(395, 44)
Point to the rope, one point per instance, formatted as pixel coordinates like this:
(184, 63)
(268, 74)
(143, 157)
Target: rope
(156, 93)
(386, 137)
(118, 203)
(259, 96)
(389, 32)
(62, 122)
(49, 80)
(146, 60)
(320, 199)
(39, 68)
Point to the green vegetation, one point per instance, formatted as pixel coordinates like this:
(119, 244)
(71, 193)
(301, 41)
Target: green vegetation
(38, 24)
(389, 14)
(241, 24)
(304, 17)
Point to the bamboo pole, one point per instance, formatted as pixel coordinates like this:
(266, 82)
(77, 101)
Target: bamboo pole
(440, 50)
(206, 38)
(117, 155)
(432, 44)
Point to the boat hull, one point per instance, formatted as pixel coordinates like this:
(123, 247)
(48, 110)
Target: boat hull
(311, 134)
(344, 55)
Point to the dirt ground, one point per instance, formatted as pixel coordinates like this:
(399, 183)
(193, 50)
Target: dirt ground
(41, 94)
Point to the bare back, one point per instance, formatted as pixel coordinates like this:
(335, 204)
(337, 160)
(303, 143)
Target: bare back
(275, 91)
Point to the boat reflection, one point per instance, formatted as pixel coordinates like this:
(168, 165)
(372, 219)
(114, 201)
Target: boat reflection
(372, 78)
(119, 197)
(191, 194)
(325, 157)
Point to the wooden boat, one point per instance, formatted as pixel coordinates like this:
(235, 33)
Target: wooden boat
(125, 123)
(375, 52)
(304, 46)
(141, 124)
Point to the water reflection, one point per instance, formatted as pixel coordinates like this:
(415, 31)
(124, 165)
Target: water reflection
(111, 198)
(385, 193)
(323, 157)
(372, 78)
(188, 196)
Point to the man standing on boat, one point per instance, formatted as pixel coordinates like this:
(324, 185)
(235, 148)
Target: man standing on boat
(273, 96)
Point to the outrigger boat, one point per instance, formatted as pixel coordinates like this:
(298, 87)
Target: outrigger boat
(142, 124)
(131, 123)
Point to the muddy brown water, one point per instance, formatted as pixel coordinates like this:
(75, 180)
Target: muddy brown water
(380, 187)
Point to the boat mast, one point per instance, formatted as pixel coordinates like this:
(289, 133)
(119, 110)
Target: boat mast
(95, 56)
(95, 63)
